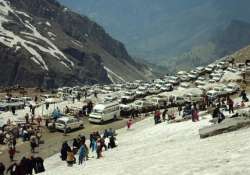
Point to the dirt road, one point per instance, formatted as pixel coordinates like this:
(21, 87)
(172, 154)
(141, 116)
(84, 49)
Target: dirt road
(53, 141)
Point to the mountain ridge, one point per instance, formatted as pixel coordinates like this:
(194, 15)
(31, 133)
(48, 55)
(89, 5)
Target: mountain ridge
(46, 44)
(163, 30)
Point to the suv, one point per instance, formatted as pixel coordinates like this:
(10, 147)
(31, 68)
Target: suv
(142, 105)
(69, 122)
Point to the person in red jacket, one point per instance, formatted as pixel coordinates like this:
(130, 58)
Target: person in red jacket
(129, 123)
(157, 117)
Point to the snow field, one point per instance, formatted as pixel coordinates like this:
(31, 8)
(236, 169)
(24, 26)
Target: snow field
(166, 149)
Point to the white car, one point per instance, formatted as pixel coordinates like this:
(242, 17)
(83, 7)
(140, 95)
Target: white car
(200, 83)
(232, 88)
(217, 78)
(128, 96)
(167, 87)
(185, 78)
(174, 80)
(142, 105)
(68, 123)
(212, 94)
(178, 100)
(210, 68)
(222, 65)
(221, 90)
(211, 81)
(110, 98)
(200, 70)
(153, 90)
(156, 101)
(185, 85)
(201, 79)
(192, 76)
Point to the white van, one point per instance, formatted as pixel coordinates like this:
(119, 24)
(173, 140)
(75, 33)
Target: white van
(104, 112)
(191, 97)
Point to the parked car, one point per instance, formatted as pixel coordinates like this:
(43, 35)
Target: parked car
(158, 102)
(167, 87)
(232, 88)
(143, 105)
(212, 94)
(69, 123)
(185, 85)
(191, 97)
(174, 80)
(200, 70)
(221, 90)
(200, 83)
(185, 78)
(128, 96)
(179, 100)
(153, 90)
(210, 68)
(110, 98)
(193, 76)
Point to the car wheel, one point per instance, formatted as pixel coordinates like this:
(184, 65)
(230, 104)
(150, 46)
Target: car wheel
(102, 121)
(68, 130)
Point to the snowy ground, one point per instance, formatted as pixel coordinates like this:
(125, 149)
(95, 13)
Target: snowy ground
(166, 149)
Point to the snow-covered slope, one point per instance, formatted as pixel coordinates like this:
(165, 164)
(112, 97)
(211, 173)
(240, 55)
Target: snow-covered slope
(166, 149)
(44, 44)
(10, 39)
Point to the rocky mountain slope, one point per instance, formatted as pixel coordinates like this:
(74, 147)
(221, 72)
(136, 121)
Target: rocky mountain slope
(44, 44)
(165, 31)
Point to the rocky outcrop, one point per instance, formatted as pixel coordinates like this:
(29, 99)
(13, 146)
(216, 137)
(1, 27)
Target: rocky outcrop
(44, 44)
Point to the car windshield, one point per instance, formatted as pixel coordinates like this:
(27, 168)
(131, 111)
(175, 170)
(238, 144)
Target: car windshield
(154, 100)
(138, 103)
(97, 111)
(61, 122)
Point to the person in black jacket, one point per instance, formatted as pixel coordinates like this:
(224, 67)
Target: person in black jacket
(64, 150)
(38, 165)
(2, 168)
(13, 169)
(29, 166)
(112, 142)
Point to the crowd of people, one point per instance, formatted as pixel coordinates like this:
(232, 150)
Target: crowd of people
(98, 144)
(191, 110)
(11, 134)
(26, 166)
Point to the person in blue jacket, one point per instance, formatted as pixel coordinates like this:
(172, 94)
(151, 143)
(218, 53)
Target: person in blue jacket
(82, 154)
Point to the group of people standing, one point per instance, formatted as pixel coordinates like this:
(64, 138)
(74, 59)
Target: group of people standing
(98, 143)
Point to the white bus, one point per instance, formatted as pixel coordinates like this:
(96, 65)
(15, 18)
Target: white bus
(104, 112)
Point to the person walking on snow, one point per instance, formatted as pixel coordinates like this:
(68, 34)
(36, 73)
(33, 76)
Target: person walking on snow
(230, 105)
(129, 123)
(195, 113)
(164, 114)
(82, 154)
(157, 117)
